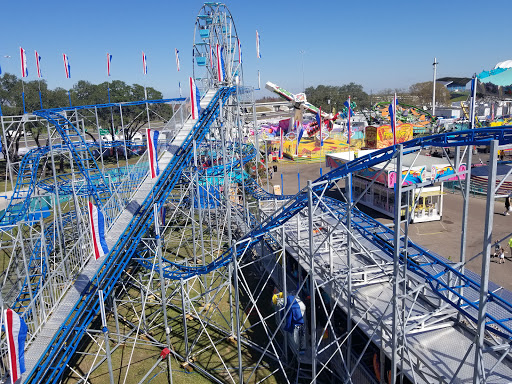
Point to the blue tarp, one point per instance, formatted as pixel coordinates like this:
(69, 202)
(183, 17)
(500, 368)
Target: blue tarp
(294, 317)
(503, 78)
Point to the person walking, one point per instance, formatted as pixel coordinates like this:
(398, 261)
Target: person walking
(507, 206)
(510, 245)
(502, 256)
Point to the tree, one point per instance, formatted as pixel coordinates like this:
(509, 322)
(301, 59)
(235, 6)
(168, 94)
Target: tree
(319, 96)
(423, 91)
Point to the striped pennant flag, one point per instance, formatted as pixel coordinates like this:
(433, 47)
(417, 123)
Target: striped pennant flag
(38, 65)
(349, 114)
(152, 136)
(177, 58)
(144, 64)
(239, 52)
(392, 117)
(220, 64)
(16, 334)
(258, 53)
(194, 99)
(109, 61)
(23, 60)
(67, 67)
(97, 225)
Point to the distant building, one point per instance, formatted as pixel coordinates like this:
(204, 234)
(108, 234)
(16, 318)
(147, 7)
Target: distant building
(454, 84)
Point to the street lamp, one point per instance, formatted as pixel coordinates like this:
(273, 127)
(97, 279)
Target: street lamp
(434, 88)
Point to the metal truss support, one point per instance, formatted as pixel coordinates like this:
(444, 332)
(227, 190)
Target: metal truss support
(480, 374)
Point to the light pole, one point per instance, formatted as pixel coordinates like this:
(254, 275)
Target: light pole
(302, 55)
(434, 88)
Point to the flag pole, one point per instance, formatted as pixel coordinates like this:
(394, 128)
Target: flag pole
(394, 120)
(24, 72)
(23, 94)
(145, 71)
(38, 65)
(40, 97)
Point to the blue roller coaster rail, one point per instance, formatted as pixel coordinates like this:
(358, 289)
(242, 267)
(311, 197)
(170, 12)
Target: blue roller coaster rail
(56, 357)
(499, 315)
(110, 105)
(82, 155)
(433, 269)
(26, 181)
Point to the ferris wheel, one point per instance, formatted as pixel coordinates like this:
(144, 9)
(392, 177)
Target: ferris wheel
(216, 55)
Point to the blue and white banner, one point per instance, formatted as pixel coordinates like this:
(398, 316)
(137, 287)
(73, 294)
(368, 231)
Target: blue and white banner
(194, 99)
(153, 152)
(16, 334)
(97, 225)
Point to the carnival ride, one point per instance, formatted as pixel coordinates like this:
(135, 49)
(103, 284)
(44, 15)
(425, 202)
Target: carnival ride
(195, 254)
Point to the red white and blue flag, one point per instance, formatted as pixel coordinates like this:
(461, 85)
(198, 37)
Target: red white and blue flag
(16, 332)
(194, 99)
(392, 117)
(258, 54)
(319, 122)
(177, 59)
(144, 64)
(67, 67)
(349, 114)
(239, 51)
(23, 60)
(152, 136)
(281, 143)
(220, 64)
(38, 65)
(163, 212)
(97, 225)
(109, 62)
(300, 132)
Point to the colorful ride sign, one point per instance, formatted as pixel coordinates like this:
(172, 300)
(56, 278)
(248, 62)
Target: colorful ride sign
(382, 137)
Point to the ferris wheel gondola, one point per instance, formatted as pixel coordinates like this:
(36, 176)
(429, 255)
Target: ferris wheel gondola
(216, 55)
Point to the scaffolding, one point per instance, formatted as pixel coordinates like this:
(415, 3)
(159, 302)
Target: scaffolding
(209, 274)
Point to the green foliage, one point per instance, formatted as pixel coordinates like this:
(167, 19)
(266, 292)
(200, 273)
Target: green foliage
(337, 95)
(423, 91)
(83, 93)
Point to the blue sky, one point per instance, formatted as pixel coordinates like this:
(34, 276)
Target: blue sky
(377, 44)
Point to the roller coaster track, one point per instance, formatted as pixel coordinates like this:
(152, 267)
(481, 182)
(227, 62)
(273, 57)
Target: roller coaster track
(99, 189)
(56, 356)
(26, 181)
(434, 270)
